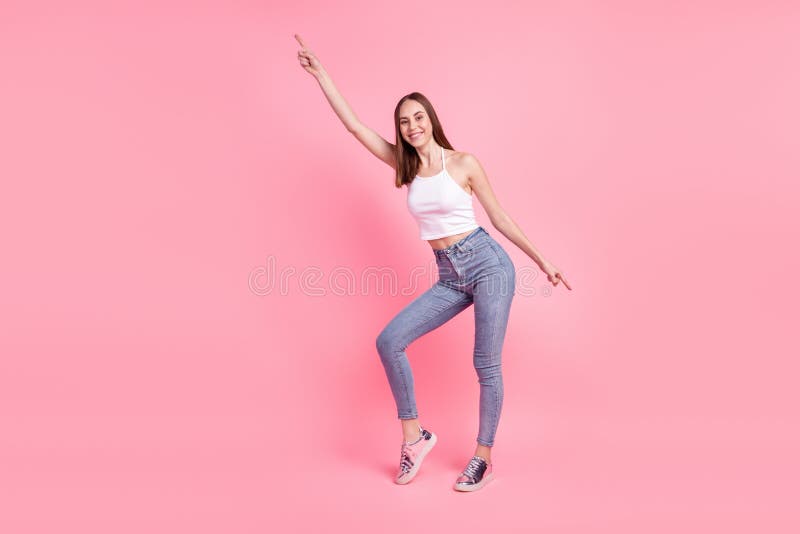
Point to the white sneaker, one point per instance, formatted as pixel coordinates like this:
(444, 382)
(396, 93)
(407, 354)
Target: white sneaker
(412, 454)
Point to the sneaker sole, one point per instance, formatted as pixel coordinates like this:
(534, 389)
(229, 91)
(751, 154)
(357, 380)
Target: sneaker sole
(418, 463)
(474, 487)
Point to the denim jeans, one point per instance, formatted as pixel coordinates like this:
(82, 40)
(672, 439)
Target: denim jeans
(475, 270)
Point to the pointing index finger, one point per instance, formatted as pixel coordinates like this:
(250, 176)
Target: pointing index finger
(564, 280)
(300, 40)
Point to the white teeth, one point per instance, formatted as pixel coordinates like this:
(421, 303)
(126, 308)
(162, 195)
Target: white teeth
(415, 136)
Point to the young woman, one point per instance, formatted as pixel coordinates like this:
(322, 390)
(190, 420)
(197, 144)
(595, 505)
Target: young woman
(473, 267)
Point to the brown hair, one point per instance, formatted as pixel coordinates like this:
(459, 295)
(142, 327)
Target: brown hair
(406, 155)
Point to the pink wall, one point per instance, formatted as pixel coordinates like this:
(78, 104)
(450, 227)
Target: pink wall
(154, 159)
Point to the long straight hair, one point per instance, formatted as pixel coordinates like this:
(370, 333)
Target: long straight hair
(406, 155)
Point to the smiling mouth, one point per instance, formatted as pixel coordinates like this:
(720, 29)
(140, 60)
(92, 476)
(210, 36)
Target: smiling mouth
(415, 136)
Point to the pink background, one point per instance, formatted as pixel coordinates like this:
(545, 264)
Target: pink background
(154, 157)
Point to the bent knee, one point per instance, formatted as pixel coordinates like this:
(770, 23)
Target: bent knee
(388, 342)
(384, 342)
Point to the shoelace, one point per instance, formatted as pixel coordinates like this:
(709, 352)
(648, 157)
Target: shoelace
(405, 458)
(472, 467)
(406, 461)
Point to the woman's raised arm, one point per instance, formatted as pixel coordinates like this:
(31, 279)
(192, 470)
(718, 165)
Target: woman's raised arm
(380, 147)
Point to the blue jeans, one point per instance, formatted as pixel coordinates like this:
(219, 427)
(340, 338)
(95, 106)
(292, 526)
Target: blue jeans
(475, 270)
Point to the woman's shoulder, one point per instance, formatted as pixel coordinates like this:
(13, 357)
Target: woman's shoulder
(460, 159)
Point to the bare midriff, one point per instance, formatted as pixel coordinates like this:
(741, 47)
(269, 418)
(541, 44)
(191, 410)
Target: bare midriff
(444, 242)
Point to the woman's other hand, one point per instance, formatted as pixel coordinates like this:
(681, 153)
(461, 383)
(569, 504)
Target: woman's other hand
(554, 275)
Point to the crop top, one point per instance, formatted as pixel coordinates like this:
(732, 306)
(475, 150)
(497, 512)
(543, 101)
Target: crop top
(441, 207)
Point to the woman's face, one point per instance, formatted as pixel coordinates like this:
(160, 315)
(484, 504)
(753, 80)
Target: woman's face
(415, 126)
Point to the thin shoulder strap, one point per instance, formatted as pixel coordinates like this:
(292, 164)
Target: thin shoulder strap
(443, 158)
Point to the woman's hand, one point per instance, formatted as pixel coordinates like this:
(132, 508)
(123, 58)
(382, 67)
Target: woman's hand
(308, 60)
(554, 274)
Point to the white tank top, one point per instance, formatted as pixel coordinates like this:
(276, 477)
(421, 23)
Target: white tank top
(441, 207)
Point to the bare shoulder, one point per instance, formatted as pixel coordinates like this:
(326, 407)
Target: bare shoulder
(460, 166)
(470, 169)
(465, 164)
(472, 176)
(463, 160)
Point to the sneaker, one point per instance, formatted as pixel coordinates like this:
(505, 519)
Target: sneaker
(412, 454)
(476, 475)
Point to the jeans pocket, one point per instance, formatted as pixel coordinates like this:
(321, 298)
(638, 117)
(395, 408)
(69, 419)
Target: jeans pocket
(484, 256)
